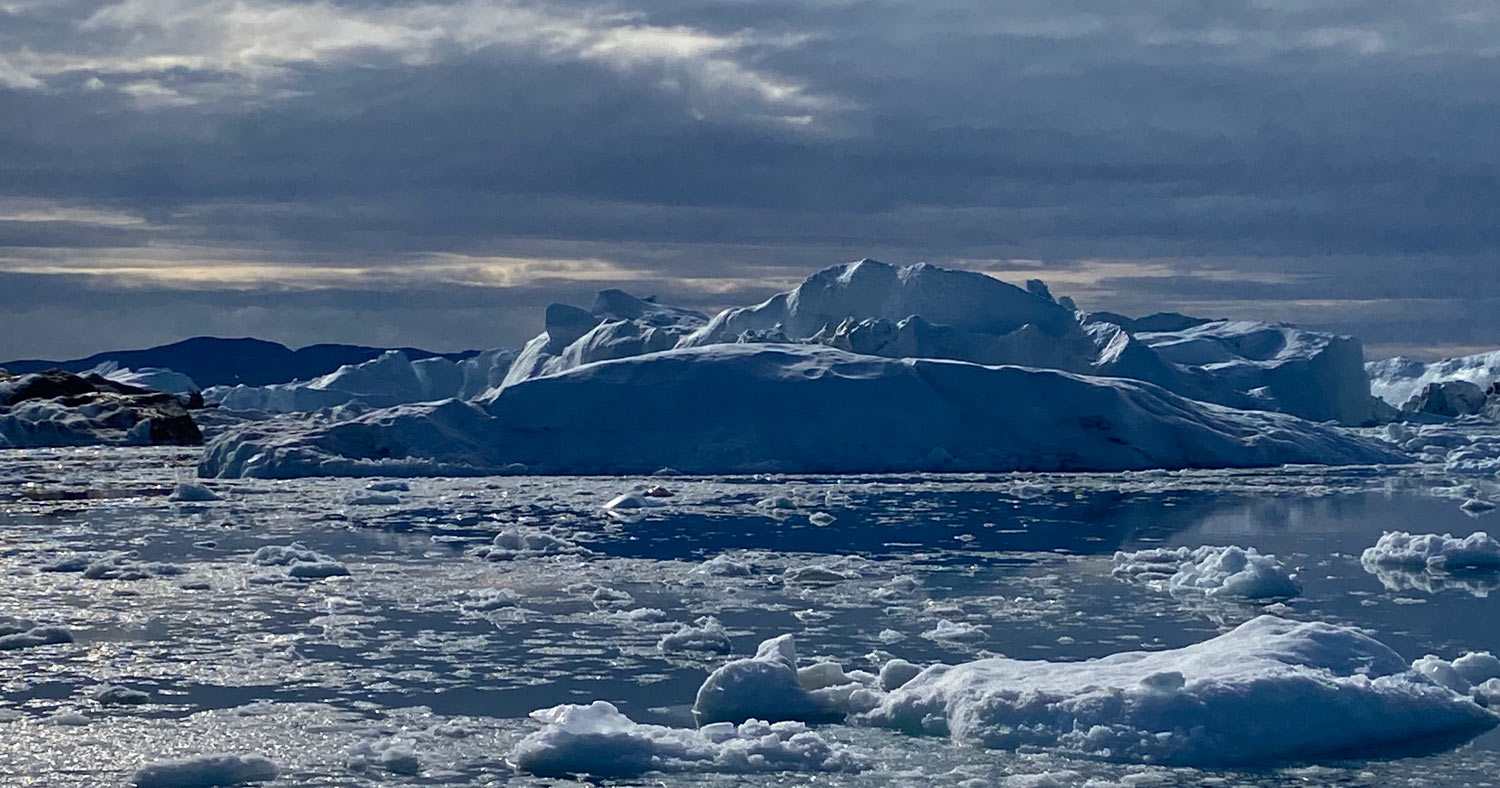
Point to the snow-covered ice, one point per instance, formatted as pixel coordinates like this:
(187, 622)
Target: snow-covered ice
(206, 771)
(1477, 551)
(599, 741)
(1223, 701)
(798, 409)
(1216, 572)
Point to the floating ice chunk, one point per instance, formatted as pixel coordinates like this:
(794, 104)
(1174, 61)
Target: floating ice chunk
(299, 561)
(393, 756)
(206, 771)
(13, 638)
(317, 570)
(1477, 506)
(1219, 572)
(372, 498)
(114, 695)
(70, 718)
(632, 500)
(599, 741)
(896, 673)
(955, 630)
(482, 600)
(125, 567)
(1477, 551)
(816, 574)
(1476, 674)
(70, 563)
(776, 502)
(388, 485)
(522, 542)
(706, 635)
(193, 492)
(1220, 702)
(767, 686)
(723, 566)
(821, 519)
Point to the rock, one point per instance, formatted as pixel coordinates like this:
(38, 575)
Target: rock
(1452, 398)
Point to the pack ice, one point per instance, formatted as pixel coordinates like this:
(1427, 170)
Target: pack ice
(805, 383)
(1270, 691)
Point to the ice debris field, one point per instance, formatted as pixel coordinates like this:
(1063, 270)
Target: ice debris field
(898, 526)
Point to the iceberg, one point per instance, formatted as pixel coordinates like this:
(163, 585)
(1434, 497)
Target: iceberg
(390, 379)
(924, 311)
(1398, 380)
(1222, 702)
(599, 741)
(790, 409)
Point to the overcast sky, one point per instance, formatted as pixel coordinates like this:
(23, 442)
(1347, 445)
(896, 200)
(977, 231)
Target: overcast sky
(434, 173)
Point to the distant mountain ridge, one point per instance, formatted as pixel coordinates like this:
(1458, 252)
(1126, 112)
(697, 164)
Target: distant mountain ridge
(216, 361)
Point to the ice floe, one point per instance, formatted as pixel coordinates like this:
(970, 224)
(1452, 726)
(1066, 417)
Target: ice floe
(206, 771)
(1224, 701)
(599, 741)
(1216, 572)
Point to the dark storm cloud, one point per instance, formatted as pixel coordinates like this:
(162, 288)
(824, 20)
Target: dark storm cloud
(1297, 161)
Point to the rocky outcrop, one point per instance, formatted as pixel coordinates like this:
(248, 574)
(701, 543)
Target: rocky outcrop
(56, 408)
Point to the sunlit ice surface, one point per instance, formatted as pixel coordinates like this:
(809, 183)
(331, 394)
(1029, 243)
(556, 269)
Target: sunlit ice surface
(428, 647)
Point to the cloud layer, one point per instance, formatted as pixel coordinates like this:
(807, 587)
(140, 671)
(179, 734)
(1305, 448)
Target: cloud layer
(434, 172)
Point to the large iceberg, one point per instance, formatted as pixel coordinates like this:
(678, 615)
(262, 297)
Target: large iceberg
(790, 408)
(1270, 691)
(390, 379)
(924, 311)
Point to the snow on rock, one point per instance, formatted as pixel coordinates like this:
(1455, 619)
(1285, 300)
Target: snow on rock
(1216, 572)
(61, 409)
(599, 741)
(389, 379)
(524, 542)
(1398, 380)
(1477, 551)
(153, 378)
(1451, 398)
(299, 561)
(704, 635)
(193, 492)
(206, 771)
(1224, 701)
(769, 686)
(794, 409)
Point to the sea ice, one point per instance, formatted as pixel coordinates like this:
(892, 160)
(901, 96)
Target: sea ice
(599, 741)
(192, 492)
(299, 561)
(704, 635)
(1216, 572)
(1224, 701)
(768, 686)
(206, 771)
(1477, 551)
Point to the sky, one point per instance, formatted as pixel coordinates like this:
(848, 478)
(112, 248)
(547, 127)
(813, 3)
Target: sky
(393, 172)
